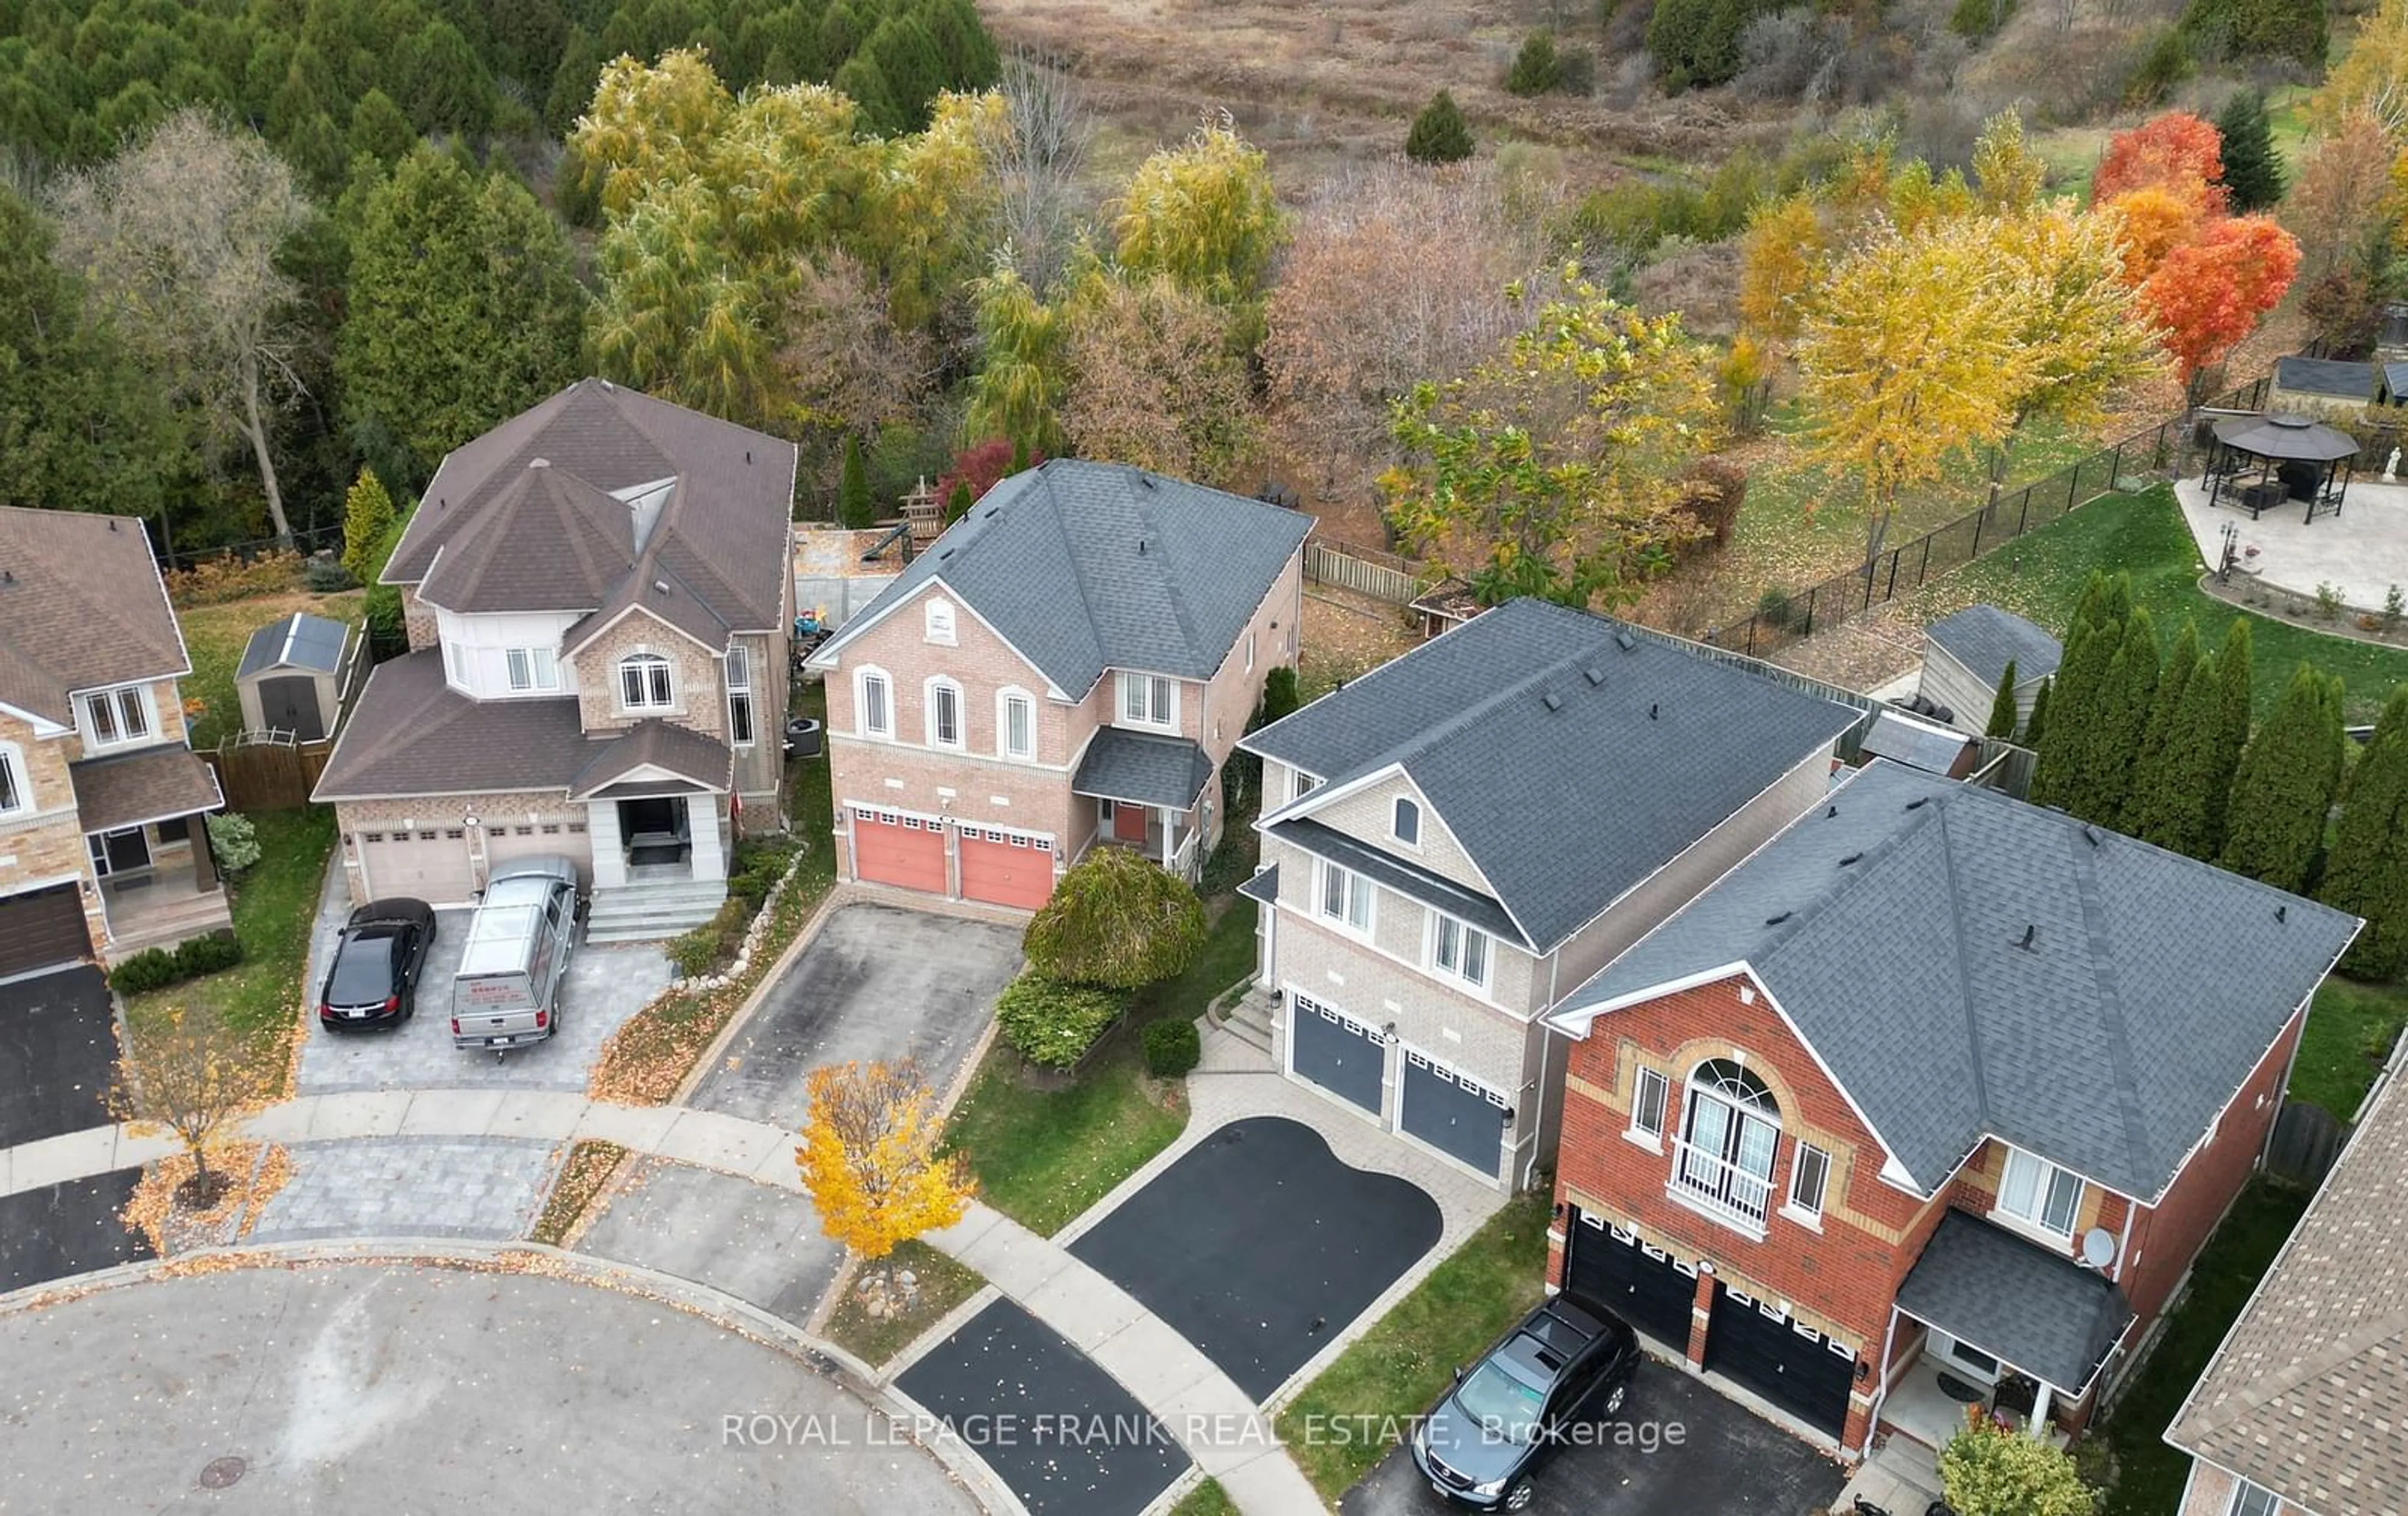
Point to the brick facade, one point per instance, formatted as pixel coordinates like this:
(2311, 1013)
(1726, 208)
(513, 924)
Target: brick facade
(697, 689)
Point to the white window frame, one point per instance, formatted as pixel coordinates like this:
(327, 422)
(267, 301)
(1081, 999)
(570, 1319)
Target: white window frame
(1649, 1087)
(1005, 700)
(929, 693)
(2252, 1500)
(1250, 649)
(937, 621)
(1143, 700)
(2043, 1178)
(1464, 944)
(1798, 1206)
(882, 729)
(1301, 784)
(16, 785)
(658, 673)
(457, 664)
(530, 670)
(1398, 808)
(122, 707)
(1357, 896)
(737, 668)
(1712, 1177)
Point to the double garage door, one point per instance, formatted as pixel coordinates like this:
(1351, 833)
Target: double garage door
(998, 866)
(42, 929)
(1458, 1115)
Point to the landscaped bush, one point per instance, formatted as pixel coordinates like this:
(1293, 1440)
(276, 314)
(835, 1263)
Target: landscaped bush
(707, 946)
(1773, 610)
(759, 863)
(1172, 1049)
(324, 576)
(234, 842)
(1118, 919)
(207, 955)
(220, 580)
(1053, 1024)
(156, 968)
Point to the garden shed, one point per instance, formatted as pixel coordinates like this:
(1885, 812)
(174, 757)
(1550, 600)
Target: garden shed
(1964, 655)
(292, 676)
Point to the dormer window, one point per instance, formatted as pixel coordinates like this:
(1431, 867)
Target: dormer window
(114, 717)
(940, 616)
(1405, 822)
(644, 683)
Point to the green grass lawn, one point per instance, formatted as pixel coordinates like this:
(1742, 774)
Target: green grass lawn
(2350, 1032)
(943, 1284)
(1206, 1499)
(1398, 1367)
(2040, 575)
(2149, 1474)
(215, 635)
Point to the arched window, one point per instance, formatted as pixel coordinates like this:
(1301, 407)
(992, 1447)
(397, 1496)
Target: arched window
(1406, 824)
(644, 681)
(941, 621)
(1729, 1137)
(874, 701)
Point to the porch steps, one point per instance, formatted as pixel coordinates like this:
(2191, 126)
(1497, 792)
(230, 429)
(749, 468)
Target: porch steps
(650, 912)
(1248, 1020)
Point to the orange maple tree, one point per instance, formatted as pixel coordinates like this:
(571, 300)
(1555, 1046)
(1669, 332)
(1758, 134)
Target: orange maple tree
(2151, 221)
(2209, 293)
(871, 1160)
(2176, 152)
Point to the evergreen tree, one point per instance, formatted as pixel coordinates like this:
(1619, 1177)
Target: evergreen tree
(2366, 874)
(853, 506)
(968, 53)
(1439, 133)
(572, 82)
(2283, 792)
(380, 130)
(908, 62)
(2037, 723)
(444, 85)
(2175, 809)
(958, 503)
(2237, 688)
(2001, 724)
(1536, 69)
(2124, 705)
(2156, 751)
(2253, 171)
(2065, 777)
(367, 517)
(861, 81)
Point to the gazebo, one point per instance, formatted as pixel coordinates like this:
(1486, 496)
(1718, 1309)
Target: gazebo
(2295, 458)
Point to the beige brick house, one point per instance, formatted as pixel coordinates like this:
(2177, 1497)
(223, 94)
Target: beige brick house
(102, 850)
(1456, 840)
(1072, 662)
(599, 616)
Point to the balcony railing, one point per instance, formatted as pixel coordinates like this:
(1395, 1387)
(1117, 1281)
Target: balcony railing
(1708, 1181)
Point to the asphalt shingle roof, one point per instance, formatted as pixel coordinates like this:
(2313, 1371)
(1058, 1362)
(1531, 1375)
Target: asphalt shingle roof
(412, 734)
(1913, 742)
(1563, 808)
(2016, 1301)
(81, 607)
(1263, 886)
(2338, 377)
(1984, 638)
(1408, 879)
(147, 785)
(1086, 566)
(2303, 1398)
(1142, 768)
(1889, 924)
(678, 750)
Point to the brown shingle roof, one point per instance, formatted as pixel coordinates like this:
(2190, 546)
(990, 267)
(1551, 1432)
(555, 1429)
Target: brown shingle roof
(721, 535)
(2304, 1397)
(149, 786)
(82, 606)
(411, 734)
(678, 750)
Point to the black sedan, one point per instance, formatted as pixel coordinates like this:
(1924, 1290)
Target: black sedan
(1556, 1376)
(374, 978)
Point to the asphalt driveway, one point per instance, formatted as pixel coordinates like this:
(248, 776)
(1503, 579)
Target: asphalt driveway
(1259, 1246)
(58, 1045)
(1054, 1427)
(878, 982)
(57, 1230)
(1725, 1459)
(755, 1241)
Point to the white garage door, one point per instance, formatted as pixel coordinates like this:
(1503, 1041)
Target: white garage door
(429, 864)
(562, 834)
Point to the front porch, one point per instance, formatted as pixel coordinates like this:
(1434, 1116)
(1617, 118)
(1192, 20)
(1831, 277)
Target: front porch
(660, 865)
(147, 844)
(1167, 836)
(1151, 793)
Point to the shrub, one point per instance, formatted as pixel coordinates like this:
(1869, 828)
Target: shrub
(1975, 20)
(324, 576)
(234, 842)
(2253, 31)
(1439, 133)
(227, 578)
(1696, 42)
(1773, 610)
(1990, 1471)
(697, 953)
(153, 968)
(1713, 490)
(1172, 1049)
(1537, 70)
(1575, 72)
(1053, 1024)
(1116, 919)
(1280, 697)
(2164, 63)
(207, 955)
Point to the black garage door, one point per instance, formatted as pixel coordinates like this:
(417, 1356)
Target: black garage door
(1455, 1116)
(1793, 1367)
(1341, 1056)
(42, 929)
(1639, 1285)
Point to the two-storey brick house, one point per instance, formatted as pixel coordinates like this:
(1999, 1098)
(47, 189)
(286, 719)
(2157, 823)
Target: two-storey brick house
(102, 847)
(1459, 837)
(1932, 1099)
(599, 615)
(1070, 663)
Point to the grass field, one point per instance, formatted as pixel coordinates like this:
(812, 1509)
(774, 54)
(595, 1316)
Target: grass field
(215, 635)
(2350, 1032)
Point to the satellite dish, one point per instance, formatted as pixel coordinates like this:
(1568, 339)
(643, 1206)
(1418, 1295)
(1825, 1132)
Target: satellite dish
(2099, 1247)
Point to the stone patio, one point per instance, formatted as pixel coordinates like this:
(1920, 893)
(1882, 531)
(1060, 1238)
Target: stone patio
(2363, 551)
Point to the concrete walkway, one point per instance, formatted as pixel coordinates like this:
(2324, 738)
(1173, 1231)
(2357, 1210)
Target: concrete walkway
(1213, 1421)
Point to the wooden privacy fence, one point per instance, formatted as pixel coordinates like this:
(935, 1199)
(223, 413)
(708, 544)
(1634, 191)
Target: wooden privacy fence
(1366, 571)
(270, 772)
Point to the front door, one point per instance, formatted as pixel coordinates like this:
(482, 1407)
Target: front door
(1128, 822)
(120, 852)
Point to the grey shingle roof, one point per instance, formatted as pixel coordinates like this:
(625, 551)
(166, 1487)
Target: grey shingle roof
(1561, 809)
(300, 640)
(1142, 768)
(412, 734)
(2015, 1300)
(1932, 749)
(680, 750)
(148, 785)
(1983, 638)
(1263, 886)
(2337, 377)
(1408, 879)
(2304, 1396)
(1888, 925)
(81, 607)
(1085, 566)
(2395, 381)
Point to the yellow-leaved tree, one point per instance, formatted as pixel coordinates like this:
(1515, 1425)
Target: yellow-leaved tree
(2372, 76)
(870, 1160)
(1204, 214)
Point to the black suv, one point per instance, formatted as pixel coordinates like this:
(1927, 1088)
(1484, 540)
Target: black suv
(1566, 1365)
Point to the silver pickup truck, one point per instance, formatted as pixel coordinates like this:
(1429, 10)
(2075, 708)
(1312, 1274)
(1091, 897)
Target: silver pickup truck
(507, 993)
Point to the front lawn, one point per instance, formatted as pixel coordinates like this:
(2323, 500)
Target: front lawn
(1334, 1426)
(942, 1283)
(1206, 1499)
(2149, 1474)
(2350, 1030)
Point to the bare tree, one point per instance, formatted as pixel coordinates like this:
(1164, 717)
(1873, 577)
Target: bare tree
(194, 1074)
(1037, 157)
(847, 366)
(179, 235)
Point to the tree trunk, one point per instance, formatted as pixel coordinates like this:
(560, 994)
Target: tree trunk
(255, 430)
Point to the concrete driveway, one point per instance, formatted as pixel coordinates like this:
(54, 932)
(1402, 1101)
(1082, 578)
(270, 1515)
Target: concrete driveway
(56, 1230)
(1725, 1460)
(606, 986)
(751, 1241)
(58, 1047)
(366, 1390)
(875, 983)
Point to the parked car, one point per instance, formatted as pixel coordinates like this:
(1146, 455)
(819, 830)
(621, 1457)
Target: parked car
(1568, 1364)
(506, 993)
(373, 980)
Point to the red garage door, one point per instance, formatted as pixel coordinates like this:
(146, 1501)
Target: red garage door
(1006, 868)
(906, 850)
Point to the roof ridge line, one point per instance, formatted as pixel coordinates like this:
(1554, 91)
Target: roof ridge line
(1044, 481)
(2111, 995)
(2352, 1345)
(1806, 915)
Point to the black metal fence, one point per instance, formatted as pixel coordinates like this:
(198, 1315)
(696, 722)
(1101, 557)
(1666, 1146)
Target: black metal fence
(1782, 617)
(306, 541)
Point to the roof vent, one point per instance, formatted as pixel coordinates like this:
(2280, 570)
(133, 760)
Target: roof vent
(1651, 708)
(2282, 912)
(1918, 803)
(1830, 811)
(1776, 921)
(539, 463)
(112, 523)
(662, 585)
(1624, 640)
(1850, 858)
(748, 456)
(945, 554)
(1144, 479)
(1594, 674)
(1141, 547)
(2032, 929)
(1551, 701)
(2091, 835)
(607, 388)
